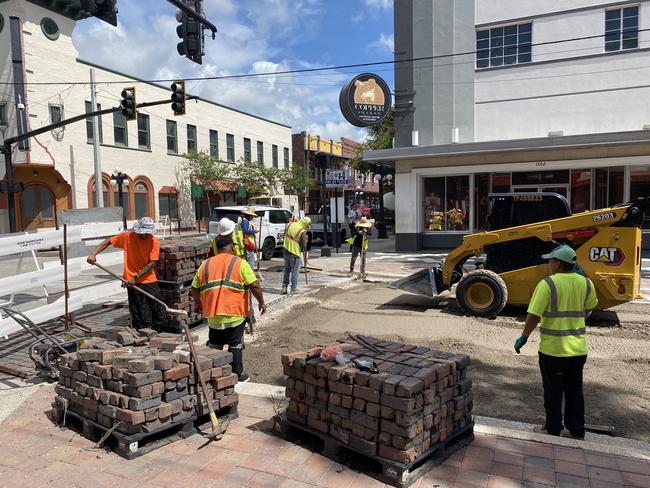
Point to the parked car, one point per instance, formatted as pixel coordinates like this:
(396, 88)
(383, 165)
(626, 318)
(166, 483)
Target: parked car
(273, 227)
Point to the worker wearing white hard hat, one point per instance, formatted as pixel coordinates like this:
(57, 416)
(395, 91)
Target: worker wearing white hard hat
(222, 228)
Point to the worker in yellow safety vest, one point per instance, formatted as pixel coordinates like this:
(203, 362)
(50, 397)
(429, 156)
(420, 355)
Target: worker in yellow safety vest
(560, 304)
(359, 241)
(436, 221)
(219, 289)
(295, 242)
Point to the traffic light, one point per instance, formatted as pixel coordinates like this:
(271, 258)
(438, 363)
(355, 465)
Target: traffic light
(105, 10)
(128, 104)
(178, 97)
(190, 31)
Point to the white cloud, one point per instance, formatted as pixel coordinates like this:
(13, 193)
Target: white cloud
(385, 43)
(379, 4)
(246, 42)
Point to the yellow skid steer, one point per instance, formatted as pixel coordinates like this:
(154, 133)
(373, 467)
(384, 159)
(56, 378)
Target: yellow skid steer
(522, 227)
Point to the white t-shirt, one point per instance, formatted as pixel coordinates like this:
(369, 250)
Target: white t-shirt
(353, 216)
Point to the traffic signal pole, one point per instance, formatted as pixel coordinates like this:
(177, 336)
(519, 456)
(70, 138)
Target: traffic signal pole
(6, 150)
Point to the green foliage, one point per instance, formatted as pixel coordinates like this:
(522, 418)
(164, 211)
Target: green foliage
(380, 136)
(256, 178)
(296, 180)
(203, 168)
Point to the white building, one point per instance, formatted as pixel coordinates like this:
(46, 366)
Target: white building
(58, 172)
(549, 95)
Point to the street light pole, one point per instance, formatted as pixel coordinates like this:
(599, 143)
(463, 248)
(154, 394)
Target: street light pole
(120, 179)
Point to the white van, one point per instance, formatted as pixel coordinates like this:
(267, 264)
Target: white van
(273, 226)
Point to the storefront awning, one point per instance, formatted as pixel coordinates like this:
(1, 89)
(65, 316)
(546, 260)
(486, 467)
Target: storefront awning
(168, 190)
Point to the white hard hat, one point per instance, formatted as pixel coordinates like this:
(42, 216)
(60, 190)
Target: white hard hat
(222, 228)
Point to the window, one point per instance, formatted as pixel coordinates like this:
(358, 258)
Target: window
(260, 152)
(56, 113)
(143, 132)
(247, 149)
(191, 138)
(274, 152)
(172, 142)
(168, 204)
(50, 29)
(214, 144)
(141, 200)
(446, 203)
(3, 114)
(104, 196)
(286, 158)
(120, 133)
(622, 28)
(504, 45)
(640, 186)
(277, 217)
(608, 187)
(230, 148)
(89, 123)
(126, 198)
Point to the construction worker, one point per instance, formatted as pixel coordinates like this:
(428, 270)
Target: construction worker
(141, 253)
(359, 241)
(295, 242)
(560, 304)
(219, 289)
(436, 221)
(248, 231)
(225, 227)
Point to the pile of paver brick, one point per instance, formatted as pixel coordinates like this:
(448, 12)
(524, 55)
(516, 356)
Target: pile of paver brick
(144, 388)
(179, 260)
(419, 397)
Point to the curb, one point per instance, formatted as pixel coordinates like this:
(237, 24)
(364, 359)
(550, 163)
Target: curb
(620, 446)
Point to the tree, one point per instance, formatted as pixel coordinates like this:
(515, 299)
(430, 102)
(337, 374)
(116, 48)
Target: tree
(256, 178)
(204, 169)
(296, 181)
(380, 136)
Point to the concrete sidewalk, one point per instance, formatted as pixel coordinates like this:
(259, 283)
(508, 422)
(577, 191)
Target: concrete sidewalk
(37, 453)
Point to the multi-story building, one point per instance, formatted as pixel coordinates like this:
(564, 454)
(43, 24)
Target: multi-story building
(516, 96)
(57, 170)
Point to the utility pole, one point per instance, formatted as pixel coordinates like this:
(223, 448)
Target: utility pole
(99, 184)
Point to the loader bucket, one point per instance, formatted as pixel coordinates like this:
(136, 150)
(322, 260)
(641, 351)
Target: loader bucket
(426, 282)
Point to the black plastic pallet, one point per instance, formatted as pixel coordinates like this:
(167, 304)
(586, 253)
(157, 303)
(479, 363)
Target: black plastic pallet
(387, 471)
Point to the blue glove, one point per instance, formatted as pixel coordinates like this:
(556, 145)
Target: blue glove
(519, 343)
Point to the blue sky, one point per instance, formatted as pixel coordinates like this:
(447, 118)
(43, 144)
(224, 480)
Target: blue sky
(254, 36)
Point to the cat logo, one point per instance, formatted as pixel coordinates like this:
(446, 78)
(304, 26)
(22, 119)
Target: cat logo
(610, 256)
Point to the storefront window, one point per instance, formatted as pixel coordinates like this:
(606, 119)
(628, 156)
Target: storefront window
(482, 187)
(640, 186)
(608, 187)
(580, 190)
(501, 183)
(446, 203)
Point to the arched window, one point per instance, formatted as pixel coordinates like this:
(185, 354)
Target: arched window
(126, 198)
(92, 196)
(142, 197)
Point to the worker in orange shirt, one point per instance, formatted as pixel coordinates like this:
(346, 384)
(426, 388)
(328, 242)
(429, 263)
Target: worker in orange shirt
(141, 253)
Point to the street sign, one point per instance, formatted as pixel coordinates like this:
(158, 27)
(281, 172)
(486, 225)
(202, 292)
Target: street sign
(336, 178)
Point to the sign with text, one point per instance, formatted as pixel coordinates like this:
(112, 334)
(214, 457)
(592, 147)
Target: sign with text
(365, 100)
(336, 178)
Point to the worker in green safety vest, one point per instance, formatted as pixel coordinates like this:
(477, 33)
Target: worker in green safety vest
(295, 242)
(560, 304)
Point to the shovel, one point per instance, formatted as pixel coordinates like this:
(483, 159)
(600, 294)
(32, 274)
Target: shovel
(217, 431)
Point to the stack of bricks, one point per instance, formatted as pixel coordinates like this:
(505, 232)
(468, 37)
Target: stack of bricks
(180, 258)
(178, 263)
(144, 388)
(419, 397)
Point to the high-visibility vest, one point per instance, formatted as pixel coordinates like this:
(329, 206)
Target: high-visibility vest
(562, 327)
(436, 223)
(292, 238)
(222, 287)
(238, 243)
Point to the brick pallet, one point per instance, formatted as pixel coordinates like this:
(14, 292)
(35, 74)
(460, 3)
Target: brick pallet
(144, 393)
(408, 417)
(178, 263)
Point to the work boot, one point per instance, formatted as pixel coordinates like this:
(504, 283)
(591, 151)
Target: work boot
(568, 435)
(284, 289)
(350, 274)
(541, 429)
(237, 360)
(244, 378)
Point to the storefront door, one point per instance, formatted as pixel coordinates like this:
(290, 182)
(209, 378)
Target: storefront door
(37, 207)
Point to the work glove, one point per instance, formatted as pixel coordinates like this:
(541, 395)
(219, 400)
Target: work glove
(519, 343)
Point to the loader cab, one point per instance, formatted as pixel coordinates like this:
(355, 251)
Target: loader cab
(515, 209)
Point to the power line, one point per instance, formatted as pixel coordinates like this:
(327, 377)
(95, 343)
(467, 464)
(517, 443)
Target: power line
(313, 70)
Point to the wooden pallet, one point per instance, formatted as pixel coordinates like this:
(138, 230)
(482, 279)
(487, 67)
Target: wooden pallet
(134, 445)
(387, 471)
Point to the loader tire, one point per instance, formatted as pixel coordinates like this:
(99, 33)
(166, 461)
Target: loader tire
(481, 293)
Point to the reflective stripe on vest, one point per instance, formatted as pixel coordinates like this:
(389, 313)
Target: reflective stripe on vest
(238, 240)
(555, 313)
(222, 289)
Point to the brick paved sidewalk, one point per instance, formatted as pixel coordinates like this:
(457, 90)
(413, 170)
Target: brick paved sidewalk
(36, 453)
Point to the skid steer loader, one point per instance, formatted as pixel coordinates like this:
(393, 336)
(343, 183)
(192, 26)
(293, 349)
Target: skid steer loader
(522, 227)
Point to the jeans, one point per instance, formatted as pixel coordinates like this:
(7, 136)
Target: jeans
(250, 257)
(355, 253)
(138, 302)
(562, 377)
(291, 269)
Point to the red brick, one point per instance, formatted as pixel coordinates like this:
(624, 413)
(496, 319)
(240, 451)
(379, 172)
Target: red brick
(373, 409)
(176, 373)
(288, 359)
(346, 401)
(359, 404)
(367, 394)
(165, 410)
(226, 381)
(130, 417)
(398, 455)
(409, 387)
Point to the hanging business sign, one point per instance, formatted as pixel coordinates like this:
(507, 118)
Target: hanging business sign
(365, 100)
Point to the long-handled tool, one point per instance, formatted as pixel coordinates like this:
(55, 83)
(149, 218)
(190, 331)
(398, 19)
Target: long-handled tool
(304, 257)
(217, 430)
